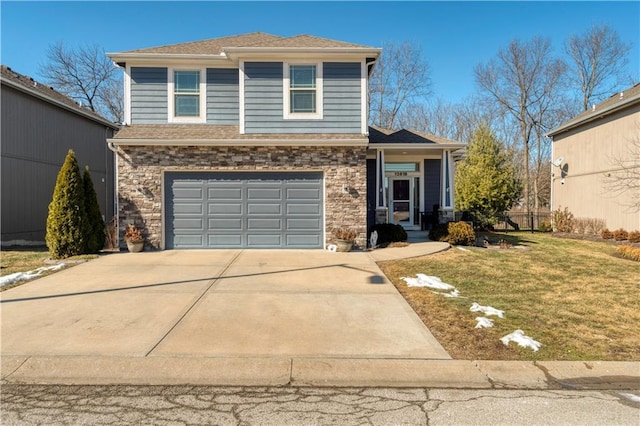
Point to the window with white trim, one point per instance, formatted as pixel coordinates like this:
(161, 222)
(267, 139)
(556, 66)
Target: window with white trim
(302, 91)
(187, 96)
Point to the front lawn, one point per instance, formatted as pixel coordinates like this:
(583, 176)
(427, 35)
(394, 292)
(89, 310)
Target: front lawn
(573, 296)
(28, 259)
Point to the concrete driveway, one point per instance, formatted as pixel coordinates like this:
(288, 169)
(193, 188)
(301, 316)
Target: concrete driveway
(231, 303)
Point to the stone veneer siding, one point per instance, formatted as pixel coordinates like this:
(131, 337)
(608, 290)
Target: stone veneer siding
(140, 176)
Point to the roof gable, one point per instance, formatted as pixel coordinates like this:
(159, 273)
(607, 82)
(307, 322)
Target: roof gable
(406, 136)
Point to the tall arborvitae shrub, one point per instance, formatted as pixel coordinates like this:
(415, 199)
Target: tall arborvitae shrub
(96, 236)
(67, 219)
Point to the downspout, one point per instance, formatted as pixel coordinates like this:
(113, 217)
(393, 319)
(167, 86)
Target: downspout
(113, 148)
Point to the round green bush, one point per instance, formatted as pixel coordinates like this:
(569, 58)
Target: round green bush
(389, 233)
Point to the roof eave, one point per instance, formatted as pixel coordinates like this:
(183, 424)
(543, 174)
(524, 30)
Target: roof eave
(154, 57)
(268, 52)
(596, 115)
(237, 142)
(417, 146)
(56, 102)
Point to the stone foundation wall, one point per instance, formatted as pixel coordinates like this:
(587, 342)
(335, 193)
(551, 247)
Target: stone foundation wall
(140, 175)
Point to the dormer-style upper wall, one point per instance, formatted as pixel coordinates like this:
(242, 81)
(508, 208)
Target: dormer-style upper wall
(262, 84)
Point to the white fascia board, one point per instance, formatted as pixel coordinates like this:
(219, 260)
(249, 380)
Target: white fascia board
(46, 98)
(175, 60)
(241, 114)
(327, 55)
(416, 146)
(364, 104)
(238, 142)
(127, 95)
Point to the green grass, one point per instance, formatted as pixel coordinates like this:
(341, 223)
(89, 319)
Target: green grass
(26, 259)
(573, 296)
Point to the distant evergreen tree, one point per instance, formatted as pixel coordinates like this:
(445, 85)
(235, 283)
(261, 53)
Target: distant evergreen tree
(486, 183)
(96, 236)
(67, 218)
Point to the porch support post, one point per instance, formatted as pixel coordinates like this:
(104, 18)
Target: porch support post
(381, 196)
(447, 186)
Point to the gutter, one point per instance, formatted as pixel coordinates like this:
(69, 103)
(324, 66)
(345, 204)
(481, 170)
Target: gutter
(236, 142)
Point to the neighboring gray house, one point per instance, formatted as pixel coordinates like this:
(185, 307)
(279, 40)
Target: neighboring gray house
(261, 141)
(38, 127)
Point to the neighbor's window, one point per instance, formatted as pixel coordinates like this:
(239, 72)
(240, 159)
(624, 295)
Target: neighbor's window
(303, 84)
(186, 93)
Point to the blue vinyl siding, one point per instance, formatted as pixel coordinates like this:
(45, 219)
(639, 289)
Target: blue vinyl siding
(431, 184)
(264, 100)
(148, 95)
(223, 96)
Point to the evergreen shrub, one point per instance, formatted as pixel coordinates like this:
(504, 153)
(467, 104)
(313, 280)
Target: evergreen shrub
(67, 218)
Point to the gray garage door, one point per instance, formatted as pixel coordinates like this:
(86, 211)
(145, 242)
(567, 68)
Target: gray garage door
(244, 210)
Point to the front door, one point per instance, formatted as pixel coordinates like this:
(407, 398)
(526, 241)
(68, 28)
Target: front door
(401, 201)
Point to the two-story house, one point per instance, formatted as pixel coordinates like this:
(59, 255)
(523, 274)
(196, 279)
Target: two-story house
(261, 141)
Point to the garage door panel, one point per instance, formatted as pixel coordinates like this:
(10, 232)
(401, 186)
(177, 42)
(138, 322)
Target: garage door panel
(265, 208)
(244, 209)
(225, 193)
(225, 208)
(224, 241)
(188, 208)
(303, 193)
(188, 193)
(186, 224)
(189, 241)
(264, 194)
(304, 224)
(263, 223)
(261, 240)
(233, 224)
(298, 209)
(294, 240)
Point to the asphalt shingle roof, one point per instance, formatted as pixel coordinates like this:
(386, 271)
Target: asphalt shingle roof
(216, 132)
(216, 46)
(34, 86)
(381, 135)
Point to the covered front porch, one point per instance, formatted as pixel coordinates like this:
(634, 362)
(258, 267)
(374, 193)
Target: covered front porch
(410, 178)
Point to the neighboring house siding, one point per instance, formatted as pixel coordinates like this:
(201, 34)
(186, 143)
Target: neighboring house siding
(588, 157)
(431, 184)
(264, 100)
(148, 95)
(36, 137)
(223, 96)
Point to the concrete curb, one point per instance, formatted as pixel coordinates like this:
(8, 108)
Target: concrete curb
(322, 372)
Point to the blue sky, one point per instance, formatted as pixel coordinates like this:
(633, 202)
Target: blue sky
(455, 36)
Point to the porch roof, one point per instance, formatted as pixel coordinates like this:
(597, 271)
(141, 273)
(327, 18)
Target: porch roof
(407, 138)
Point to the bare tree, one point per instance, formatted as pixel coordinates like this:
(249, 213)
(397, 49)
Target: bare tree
(401, 76)
(522, 79)
(598, 60)
(86, 75)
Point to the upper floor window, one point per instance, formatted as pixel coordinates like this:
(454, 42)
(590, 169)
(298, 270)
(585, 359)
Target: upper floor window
(187, 96)
(303, 91)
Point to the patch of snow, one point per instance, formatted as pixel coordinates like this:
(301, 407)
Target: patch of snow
(453, 293)
(332, 248)
(22, 276)
(630, 396)
(462, 248)
(519, 337)
(484, 322)
(487, 310)
(434, 282)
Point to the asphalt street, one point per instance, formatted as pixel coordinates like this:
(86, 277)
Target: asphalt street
(189, 405)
